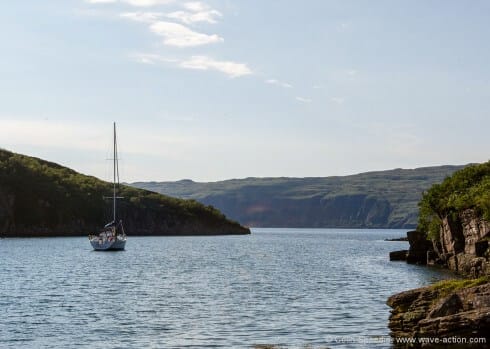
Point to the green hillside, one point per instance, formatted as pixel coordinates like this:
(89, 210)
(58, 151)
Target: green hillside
(41, 198)
(383, 199)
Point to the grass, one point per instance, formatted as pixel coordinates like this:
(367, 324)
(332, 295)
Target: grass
(445, 287)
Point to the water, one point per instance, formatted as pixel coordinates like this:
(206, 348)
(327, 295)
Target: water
(293, 287)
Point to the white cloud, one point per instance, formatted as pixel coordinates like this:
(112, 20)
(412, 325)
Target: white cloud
(278, 83)
(232, 69)
(209, 16)
(196, 6)
(303, 100)
(338, 100)
(149, 58)
(352, 72)
(196, 12)
(146, 17)
(181, 36)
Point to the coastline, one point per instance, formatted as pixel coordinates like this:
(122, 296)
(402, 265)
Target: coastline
(452, 312)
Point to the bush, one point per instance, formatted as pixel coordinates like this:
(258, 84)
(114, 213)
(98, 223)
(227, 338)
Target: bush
(468, 188)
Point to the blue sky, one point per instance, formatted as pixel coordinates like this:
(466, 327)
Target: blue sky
(220, 89)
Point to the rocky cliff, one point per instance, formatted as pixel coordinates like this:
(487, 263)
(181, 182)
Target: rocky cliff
(454, 232)
(454, 314)
(462, 245)
(40, 198)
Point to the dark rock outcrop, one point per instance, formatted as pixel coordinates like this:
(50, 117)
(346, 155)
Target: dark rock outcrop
(462, 246)
(398, 255)
(435, 313)
(419, 246)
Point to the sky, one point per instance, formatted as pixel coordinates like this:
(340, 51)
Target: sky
(219, 89)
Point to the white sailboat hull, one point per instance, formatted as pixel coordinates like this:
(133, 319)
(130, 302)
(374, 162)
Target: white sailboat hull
(106, 245)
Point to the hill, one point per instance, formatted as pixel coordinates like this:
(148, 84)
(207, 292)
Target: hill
(382, 199)
(41, 198)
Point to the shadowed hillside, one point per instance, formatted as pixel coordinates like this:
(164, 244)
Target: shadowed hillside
(383, 199)
(41, 198)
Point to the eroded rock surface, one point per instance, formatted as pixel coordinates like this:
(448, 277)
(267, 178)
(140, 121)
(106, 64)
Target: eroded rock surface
(432, 312)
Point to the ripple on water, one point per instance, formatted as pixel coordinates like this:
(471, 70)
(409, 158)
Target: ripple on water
(291, 287)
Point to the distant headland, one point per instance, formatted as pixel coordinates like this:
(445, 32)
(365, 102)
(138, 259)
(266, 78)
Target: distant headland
(381, 199)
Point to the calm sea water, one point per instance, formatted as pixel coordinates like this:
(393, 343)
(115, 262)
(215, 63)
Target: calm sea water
(294, 287)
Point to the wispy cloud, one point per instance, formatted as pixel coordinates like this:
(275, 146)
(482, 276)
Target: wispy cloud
(303, 100)
(149, 58)
(196, 6)
(232, 69)
(146, 17)
(278, 83)
(182, 36)
(195, 12)
(175, 34)
(209, 16)
(229, 68)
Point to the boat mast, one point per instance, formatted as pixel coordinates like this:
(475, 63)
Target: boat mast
(115, 161)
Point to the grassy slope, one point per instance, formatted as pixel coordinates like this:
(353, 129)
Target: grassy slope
(38, 197)
(399, 190)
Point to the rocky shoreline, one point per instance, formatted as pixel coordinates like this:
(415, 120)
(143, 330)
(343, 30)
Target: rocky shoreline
(458, 309)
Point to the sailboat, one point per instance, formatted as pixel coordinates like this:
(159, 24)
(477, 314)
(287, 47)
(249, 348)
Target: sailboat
(112, 237)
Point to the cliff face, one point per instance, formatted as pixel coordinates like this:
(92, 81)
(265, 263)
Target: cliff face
(352, 211)
(461, 246)
(454, 234)
(382, 199)
(441, 312)
(437, 313)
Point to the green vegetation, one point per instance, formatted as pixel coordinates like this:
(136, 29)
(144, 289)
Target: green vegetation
(383, 199)
(446, 287)
(38, 197)
(468, 188)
